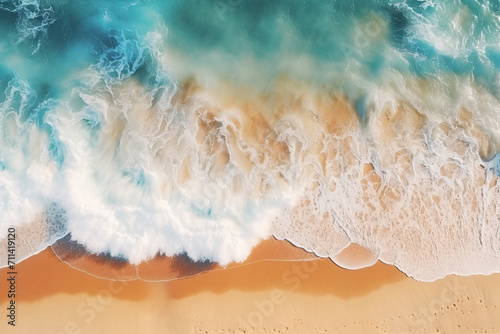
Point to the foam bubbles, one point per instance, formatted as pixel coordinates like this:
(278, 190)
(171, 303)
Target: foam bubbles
(415, 191)
(384, 134)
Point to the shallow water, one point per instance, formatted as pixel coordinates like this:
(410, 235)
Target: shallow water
(153, 127)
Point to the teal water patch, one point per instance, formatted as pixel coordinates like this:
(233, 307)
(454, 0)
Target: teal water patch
(121, 58)
(19, 98)
(32, 107)
(360, 107)
(399, 25)
(201, 210)
(494, 164)
(29, 20)
(92, 119)
(459, 66)
(136, 175)
(375, 65)
(39, 117)
(5, 77)
(266, 29)
(493, 54)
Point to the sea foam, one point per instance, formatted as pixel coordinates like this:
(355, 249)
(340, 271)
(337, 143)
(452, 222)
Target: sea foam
(358, 132)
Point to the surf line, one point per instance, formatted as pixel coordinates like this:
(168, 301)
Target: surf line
(11, 276)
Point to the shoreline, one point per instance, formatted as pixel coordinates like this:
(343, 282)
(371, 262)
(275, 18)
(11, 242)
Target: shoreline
(260, 297)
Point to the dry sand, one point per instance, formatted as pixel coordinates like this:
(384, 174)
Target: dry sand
(314, 296)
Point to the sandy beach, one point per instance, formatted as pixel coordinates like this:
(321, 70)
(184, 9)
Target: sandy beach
(230, 166)
(313, 296)
(280, 288)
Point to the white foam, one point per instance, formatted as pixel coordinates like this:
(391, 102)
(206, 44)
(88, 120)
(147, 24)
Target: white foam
(433, 210)
(163, 170)
(28, 179)
(125, 193)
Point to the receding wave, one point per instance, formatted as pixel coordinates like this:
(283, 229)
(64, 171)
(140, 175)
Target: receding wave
(166, 268)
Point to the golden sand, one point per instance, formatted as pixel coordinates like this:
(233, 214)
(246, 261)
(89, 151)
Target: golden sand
(314, 296)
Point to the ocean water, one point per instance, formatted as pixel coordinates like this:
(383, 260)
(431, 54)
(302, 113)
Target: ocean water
(138, 128)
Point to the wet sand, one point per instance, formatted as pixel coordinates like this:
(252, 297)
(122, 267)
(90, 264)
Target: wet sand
(263, 297)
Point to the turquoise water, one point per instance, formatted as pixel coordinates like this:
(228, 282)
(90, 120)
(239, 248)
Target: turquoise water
(47, 41)
(97, 115)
